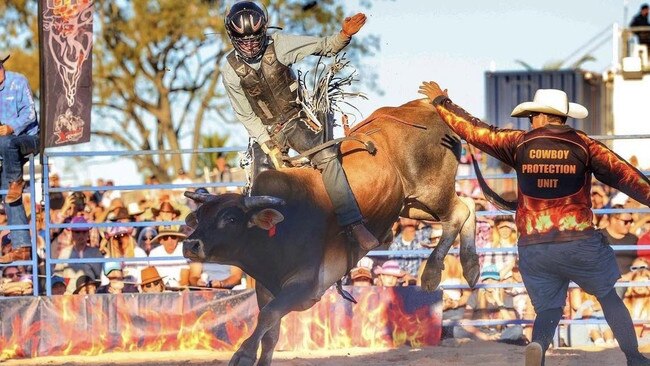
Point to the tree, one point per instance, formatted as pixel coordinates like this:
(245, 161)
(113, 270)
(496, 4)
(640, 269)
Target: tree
(156, 67)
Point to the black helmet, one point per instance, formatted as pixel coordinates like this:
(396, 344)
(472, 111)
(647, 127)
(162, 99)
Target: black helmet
(246, 24)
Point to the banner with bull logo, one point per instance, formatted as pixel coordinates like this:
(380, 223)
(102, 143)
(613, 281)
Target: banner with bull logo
(66, 40)
(384, 317)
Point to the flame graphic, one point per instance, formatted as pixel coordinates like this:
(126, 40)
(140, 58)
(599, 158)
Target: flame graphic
(379, 320)
(93, 325)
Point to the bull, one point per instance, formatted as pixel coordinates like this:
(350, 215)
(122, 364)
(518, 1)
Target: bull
(285, 234)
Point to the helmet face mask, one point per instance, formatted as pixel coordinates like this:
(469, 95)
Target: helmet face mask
(246, 24)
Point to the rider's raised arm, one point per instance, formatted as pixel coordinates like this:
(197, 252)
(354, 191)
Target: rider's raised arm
(241, 106)
(292, 48)
(500, 143)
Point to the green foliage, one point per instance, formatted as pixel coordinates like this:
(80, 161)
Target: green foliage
(156, 73)
(214, 140)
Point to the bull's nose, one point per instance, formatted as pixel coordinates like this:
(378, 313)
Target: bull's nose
(193, 249)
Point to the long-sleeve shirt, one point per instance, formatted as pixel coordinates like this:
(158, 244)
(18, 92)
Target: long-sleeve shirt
(17, 105)
(554, 166)
(289, 49)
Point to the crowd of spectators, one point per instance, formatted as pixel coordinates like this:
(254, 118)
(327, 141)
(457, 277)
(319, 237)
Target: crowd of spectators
(166, 209)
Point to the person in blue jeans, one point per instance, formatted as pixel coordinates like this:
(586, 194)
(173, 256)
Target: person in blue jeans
(18, 138)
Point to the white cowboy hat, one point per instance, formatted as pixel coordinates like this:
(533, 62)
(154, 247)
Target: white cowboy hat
(551, 101)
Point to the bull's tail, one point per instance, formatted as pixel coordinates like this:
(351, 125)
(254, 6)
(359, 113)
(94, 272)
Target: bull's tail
(346, 295)
(488, 192)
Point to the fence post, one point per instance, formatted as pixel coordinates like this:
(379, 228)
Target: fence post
(33, 223)
(48, 244)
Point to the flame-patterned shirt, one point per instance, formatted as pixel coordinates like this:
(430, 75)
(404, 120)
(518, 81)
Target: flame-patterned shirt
(554, 166)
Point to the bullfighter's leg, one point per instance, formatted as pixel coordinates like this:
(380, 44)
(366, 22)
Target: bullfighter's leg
(294, 297)
(270, 338)
(348, 215)
(451, 227)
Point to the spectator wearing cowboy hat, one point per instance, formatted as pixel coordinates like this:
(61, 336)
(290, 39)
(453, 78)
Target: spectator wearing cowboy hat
(121, 214)
(389, 274)
(85, 286)
(18, 139)
(166, 212)
(557, 241)
(134, 211)
(120, 243)
(151, 281)
(169, 238)
(360, 276)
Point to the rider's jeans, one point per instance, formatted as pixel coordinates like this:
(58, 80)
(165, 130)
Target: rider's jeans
(300, 138)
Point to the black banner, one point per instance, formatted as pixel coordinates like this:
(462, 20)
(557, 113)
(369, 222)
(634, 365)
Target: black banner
(66, 40)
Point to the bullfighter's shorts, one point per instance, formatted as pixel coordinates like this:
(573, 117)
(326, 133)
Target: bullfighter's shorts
(547, 270)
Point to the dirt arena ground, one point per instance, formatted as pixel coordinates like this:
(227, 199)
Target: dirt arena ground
(448, 354)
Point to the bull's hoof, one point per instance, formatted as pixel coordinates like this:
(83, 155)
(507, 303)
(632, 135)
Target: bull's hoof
(241, 359)
(471, 268)
(432, 274)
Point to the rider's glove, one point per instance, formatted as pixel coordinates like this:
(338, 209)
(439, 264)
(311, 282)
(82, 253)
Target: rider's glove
(273, 151)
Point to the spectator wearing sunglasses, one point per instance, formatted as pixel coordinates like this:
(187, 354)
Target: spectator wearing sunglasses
(11, 274)
(120, 243)
(617, 232)
(151, 281)
(145, 240)
(169, 239)
(142, 250)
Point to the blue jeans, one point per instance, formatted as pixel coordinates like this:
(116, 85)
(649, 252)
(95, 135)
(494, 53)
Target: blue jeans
(547, 269)
(14, 151)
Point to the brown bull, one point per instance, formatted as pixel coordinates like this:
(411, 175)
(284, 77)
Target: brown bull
(286, 236)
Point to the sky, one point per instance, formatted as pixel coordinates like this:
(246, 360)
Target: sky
(455, 43)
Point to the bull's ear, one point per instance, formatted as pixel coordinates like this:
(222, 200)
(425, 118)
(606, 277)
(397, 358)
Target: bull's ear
(266, 218)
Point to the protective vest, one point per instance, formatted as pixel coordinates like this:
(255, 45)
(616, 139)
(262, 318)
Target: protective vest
(272, 91)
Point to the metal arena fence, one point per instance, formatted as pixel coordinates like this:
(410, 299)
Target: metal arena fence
(406, 254)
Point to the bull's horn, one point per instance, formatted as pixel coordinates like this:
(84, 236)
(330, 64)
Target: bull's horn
(262, 201)
(200, 197)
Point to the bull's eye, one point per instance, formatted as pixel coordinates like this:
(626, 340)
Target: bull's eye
(230, 220)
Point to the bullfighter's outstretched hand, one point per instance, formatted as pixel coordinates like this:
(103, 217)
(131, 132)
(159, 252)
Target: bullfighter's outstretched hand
(351, 25)
(432, 90)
